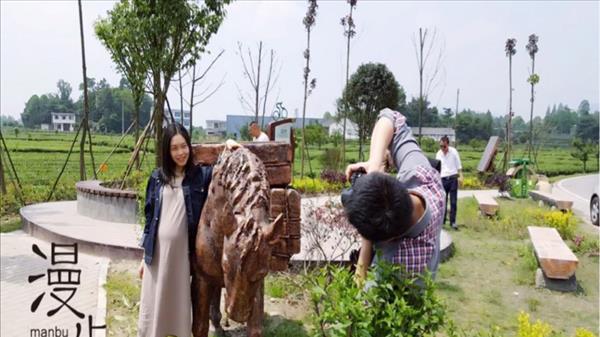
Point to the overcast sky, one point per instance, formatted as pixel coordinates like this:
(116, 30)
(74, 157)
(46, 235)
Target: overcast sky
(40, 44)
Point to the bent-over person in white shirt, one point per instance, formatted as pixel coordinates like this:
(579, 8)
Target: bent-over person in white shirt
(451, 176)
(256, 133)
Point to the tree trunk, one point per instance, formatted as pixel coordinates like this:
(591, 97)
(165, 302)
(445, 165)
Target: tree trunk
(137, 101)
(180, 96)
(158, 114)
(304, 104)
(509, 122)
(531, 113)
(2, 179)
(421, 44)
(257, 89)
(345, 113)
(86, 110)
(192, 99)
(262, 122)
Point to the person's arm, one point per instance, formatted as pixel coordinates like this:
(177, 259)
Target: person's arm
(380, 140)
(148, 213)
(458, 167)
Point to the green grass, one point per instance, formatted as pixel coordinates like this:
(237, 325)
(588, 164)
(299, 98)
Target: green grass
(39, 156)
(283, 285)
(278, 326)
(491, 275)
(123, 296)
(551, 161)
(10, 223)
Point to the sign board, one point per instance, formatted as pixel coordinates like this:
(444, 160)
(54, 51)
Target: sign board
(283, 133)
(487, 160)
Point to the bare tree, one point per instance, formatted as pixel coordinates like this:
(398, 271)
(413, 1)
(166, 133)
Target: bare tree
(429, 73)
(309, 22)
(510, 49)
(86, 109)
(196, 78)
(533, 79)
(349, 32)
(251, 101)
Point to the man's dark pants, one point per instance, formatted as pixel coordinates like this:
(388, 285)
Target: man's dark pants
(451, 187)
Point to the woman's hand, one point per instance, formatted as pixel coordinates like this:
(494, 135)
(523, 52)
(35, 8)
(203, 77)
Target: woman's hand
(231, 144)
(141, 269)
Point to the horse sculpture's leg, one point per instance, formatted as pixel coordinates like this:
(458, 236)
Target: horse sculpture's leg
(255, 321)
(215, 310)
(200, 306)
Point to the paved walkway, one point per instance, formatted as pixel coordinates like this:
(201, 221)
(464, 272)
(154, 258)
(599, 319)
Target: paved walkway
(18, 262)
(59, 222)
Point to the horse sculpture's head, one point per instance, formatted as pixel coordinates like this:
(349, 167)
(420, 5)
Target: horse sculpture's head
(240, 181)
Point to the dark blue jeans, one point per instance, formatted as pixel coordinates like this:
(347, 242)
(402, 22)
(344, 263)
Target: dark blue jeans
(451, 187)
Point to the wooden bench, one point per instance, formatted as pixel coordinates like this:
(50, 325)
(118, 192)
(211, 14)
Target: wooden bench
(551, 199)
(487, 204)
(554, 256)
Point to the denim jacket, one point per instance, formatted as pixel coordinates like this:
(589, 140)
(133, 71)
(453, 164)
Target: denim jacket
(195, 190)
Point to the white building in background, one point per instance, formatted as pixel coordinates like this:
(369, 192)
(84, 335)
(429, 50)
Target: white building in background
(186, 117)
(435, 133)
(63, 121)
(216, 128)
(351, 129)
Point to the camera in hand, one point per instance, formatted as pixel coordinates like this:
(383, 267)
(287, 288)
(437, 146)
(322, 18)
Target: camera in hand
(356, 174)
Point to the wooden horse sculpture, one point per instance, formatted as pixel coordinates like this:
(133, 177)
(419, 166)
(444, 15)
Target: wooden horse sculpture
(233, 244)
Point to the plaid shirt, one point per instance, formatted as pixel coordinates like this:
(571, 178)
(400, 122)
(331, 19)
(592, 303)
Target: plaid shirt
(421, 252)
(416, 253)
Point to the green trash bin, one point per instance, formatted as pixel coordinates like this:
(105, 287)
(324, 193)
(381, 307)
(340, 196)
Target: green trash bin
(520, 183)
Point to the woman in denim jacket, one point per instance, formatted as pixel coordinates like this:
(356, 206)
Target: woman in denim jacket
(175, 195)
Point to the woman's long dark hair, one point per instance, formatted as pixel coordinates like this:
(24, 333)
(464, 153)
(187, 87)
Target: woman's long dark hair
(167, 171)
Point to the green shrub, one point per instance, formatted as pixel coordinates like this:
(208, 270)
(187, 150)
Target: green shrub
(392, 305)
(315, 186)
(583, 244)
(429, 144)
(472, 183)
(331, 158)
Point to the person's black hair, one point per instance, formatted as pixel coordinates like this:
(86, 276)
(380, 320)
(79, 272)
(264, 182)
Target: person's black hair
(380, 207)
(167, 170)
(252, 123)
(445, 139)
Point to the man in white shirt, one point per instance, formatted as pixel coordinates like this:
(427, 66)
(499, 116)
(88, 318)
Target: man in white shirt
(256, 133)
(451, 175)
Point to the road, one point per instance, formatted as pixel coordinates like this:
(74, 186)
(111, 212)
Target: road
(580, 190)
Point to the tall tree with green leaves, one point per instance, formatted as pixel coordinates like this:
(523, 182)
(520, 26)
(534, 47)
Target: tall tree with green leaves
(510, 50)
(349, 32)
(162, 36)
(370, 89)
(533, 79)
(114, 35)
(308, 21)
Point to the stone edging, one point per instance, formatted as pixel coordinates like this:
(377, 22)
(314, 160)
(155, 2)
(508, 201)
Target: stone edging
(94, 187)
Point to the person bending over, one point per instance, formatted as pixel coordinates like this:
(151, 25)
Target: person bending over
(399, 216)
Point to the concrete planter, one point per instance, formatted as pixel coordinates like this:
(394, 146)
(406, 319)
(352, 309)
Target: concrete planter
(103, 203)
